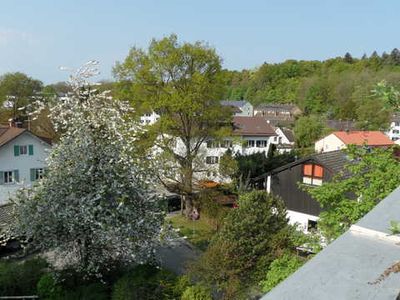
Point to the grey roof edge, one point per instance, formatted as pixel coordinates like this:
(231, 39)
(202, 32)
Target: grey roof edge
(352, 265)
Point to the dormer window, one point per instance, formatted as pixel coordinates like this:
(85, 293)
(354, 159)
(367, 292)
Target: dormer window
(313, 174)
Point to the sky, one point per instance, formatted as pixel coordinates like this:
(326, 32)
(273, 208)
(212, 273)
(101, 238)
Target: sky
(38, 37)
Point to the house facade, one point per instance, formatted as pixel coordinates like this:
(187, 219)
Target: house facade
(394, 131)
(284, 139)
(277, 114)
(339, 140)
(311, 171)
(250, 135)
(22, 160)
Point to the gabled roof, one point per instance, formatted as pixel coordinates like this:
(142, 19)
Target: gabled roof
(349, 267)
(289, 134)
(249, 126)
(235, 103)
(335, 161)
(370, 138)
(278, 106)
(7, 134)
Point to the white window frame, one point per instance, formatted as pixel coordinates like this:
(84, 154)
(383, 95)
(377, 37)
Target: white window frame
(6, 174)
(23, 149)
(212, 160)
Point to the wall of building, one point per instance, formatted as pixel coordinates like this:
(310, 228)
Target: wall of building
(329, 143)
(22, 163)
(301, 220)
(286, 185)
(394, 132)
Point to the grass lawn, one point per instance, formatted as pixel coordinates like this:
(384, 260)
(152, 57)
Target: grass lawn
(199, 232)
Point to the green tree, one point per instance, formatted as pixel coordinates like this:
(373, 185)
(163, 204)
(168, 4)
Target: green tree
(252, 236)
(183, 82)
(280, 269)
(16, 91)
(307, 130)
(369, 177)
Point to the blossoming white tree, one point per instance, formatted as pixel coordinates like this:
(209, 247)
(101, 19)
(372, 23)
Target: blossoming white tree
(95, 206)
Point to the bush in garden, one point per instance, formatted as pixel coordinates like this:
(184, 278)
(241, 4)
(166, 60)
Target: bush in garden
(196, 292)
(145, 282)
(21, 278)
(47, 288)
(280, 269)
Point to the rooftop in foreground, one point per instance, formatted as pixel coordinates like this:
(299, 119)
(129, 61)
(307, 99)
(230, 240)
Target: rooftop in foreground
(348, 268)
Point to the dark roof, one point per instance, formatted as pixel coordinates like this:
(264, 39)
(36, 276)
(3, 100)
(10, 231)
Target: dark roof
(349, 267)
(235, 103)
(252, 126)
(335, 161)
(278, 106)
(289, 134)
(341, 125)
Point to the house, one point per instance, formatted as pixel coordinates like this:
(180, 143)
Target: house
(22, 159)
(250, 135)
(354, 266)
(149, 118)
(341, 139)
(341, 125)
(240, 108)
(284, 140)
(312, 171)
(277, 114)
(394, 131)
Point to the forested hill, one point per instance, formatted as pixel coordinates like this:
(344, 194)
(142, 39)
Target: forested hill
(339, 88)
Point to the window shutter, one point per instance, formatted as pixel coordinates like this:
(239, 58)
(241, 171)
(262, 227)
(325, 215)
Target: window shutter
(16, 150)
(33, 177)
(1, 177)
(318, 171)
(307, 170)
(16, 175)
(30, 149)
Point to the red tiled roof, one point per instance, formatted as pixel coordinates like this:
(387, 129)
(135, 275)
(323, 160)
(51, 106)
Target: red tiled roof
(252, 126)
(370, 138)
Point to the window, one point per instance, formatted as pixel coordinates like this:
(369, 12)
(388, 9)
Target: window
(211, 160)
(23, 150)
(313, 174)
(226, 144)
(9, 177)
(311, 225)
(37, 174)
(261, 144)
(250, 144)
(395, 131)
(212, 144)
(394, 138)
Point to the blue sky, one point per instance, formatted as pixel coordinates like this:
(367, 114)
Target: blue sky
(36, 37)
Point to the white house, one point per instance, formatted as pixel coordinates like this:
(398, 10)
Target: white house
(250, 135)
(339, 140)
(149, 118)
(284, 139)
(241, 108)
(22, 159)
(394, 132)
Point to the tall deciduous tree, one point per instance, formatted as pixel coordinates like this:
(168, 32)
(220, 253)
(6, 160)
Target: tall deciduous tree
(95, 206)
(17, 90)
(183, 83)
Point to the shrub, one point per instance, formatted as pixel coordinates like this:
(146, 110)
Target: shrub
(47, 287)
(145, 282)
(18, 278)
(280, 269)
(93, 291)
(196, 292)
